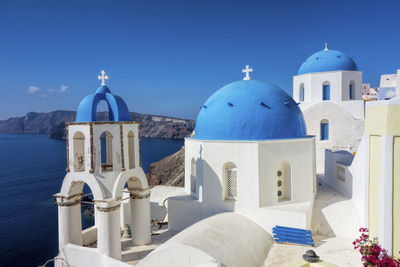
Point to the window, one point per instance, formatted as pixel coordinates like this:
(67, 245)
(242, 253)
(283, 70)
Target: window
(351, 91)
(193, 176)
(340, 173)
(131, 149)
(301, 92)
(324, 130)
(79, 152)
(230, 177)
(326, 91)
(106, 151)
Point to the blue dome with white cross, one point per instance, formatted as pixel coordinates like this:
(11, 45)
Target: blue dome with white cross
(327, 60)
(117, 108)
(250, 110)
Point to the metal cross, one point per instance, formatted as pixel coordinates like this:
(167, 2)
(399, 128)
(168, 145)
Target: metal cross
(103, 77)
(247, 70)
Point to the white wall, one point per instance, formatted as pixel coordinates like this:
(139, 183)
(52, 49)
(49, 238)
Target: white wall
(359, 169)
(257, 163)
(333, 161)
(339, 85)
(299, 154)
(345, 131)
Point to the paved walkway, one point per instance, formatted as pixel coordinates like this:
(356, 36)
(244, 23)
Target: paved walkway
(133, 254)
(337, 250)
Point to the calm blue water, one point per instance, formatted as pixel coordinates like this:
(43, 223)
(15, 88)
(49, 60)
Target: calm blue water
(32, 168)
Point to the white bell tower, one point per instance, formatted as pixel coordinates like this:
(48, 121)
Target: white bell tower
(105, 156)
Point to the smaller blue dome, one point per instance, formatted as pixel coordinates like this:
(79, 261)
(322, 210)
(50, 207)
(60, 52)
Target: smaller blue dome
(327, 60)
(117, 108)
(250, 110)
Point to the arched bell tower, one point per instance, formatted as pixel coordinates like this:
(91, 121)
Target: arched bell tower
(105, 156)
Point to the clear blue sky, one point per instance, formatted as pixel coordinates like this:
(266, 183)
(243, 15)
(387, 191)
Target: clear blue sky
(167, 57)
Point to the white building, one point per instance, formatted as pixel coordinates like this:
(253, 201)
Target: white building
(105, 156)
(328, 87)
(372, 178)
(388, 85)
(250, 155)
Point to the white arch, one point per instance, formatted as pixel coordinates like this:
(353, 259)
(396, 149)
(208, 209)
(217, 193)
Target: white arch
(73, 184)
(123, 179)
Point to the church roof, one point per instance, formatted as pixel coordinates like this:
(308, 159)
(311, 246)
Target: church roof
(327, 60)
(117, 108)
(249, 110)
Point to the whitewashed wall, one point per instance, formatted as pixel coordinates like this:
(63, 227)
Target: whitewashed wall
(257, 163)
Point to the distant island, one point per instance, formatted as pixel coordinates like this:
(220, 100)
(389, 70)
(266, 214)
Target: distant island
(53, 124)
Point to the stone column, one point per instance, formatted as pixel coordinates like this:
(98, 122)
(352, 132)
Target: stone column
(108, 228)
(69, 220)
(141, 220)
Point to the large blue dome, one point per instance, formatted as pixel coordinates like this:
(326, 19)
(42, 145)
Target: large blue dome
(327, 60)
(117, 108)
(249, 110)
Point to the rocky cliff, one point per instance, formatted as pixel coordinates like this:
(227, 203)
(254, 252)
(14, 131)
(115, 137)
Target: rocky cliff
(168, 171)
(53, 124)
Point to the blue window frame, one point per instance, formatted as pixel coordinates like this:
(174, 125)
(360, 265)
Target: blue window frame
(324, 130)
(302, 93)
(326, 92)
(351, 93)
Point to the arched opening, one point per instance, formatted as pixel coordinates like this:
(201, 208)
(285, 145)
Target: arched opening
(326, 91)
(193, 177)
(230, 179)
(301, 92)
(106, 151)
(131, 149)
(88, 214)
(132, 186)
(79, 152)
(352, 94)
(135, 212)
(81, 220)
(284, 181)
(324, 125)
(103, 111)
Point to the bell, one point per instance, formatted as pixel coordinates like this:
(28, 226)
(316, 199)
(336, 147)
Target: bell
(127, 232)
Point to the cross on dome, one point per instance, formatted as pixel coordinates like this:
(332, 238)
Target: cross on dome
(326, 46)
(247, 70)
(103, 77)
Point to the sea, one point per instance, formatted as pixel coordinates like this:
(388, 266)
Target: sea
(32, 168)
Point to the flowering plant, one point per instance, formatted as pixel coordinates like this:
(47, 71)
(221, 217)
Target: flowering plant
(372, 253)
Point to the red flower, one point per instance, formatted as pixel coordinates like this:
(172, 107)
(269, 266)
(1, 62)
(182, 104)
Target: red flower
(372, 254)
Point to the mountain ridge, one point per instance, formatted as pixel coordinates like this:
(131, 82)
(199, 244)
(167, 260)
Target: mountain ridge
(53, 124)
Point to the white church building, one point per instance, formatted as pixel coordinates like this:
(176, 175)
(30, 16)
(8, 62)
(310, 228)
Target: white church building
(328, 86)
(250, 152)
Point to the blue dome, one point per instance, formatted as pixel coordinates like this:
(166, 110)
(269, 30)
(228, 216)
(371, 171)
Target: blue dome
(249, 110)
(327, 60)
(117, 108)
